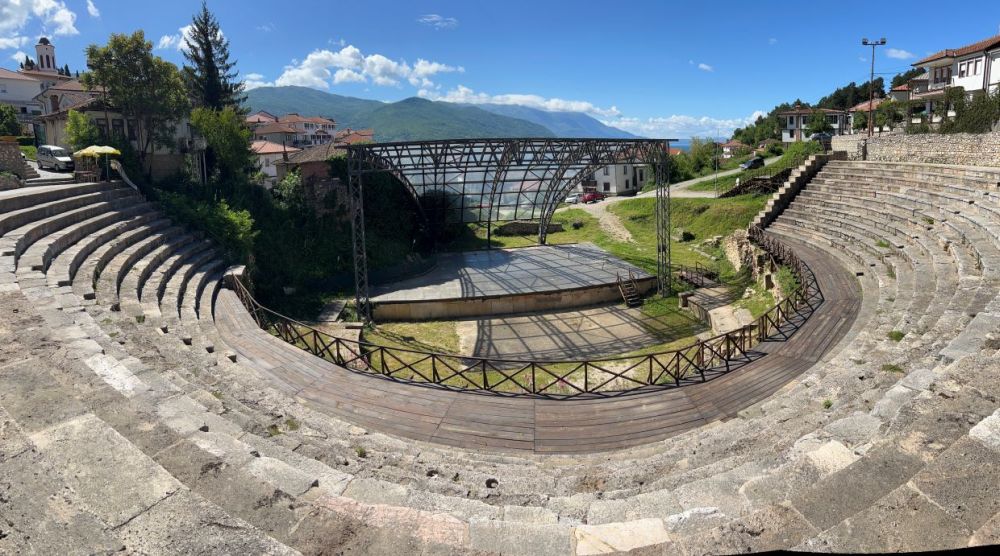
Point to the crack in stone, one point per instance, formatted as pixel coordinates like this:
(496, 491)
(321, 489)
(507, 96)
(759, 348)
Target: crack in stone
(147, 509)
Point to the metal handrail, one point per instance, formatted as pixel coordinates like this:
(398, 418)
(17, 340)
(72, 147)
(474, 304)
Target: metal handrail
(697, 363)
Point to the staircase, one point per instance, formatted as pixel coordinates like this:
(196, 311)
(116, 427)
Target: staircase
(629, 290)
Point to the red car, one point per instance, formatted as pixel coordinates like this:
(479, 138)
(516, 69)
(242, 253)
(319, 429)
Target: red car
(593, 197)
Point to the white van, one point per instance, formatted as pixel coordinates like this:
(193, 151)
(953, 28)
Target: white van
(54, 157)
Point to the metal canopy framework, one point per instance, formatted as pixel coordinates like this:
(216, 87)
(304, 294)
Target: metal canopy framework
(495, 180)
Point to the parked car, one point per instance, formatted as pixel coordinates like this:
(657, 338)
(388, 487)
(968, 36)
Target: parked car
(54, 157)
(593, 197)
(574, 198)
(824, 139)
(755, 162)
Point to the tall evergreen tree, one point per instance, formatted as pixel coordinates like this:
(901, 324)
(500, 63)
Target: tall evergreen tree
(211, 78)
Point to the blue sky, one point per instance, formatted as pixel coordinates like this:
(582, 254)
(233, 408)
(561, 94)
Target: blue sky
(656, 68)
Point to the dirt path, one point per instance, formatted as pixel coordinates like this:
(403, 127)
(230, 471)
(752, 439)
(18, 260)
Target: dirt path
(608, 220)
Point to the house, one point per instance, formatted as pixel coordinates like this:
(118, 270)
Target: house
(620, 179)
(261, 117)
(22, 88)
(900, 93)
(164, 161)
(354, 136)
(275, 132)
(795, 122)
(860, 111)
(733, 148)
(269, 154)
(19, 90)
(974, 67)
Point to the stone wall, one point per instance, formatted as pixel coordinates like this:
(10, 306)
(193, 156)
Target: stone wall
(10, 158)
(8, 182)
(962, 149)
(796, 181)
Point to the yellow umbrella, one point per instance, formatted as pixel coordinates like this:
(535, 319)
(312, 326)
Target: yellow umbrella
(97, 151)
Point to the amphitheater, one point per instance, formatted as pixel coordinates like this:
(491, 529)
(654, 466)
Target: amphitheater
(142, 409)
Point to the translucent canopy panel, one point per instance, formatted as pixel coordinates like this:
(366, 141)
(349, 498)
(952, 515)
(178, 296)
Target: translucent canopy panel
(489, 180)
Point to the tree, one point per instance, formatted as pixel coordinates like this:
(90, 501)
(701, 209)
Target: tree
(66, 70)
(818, 123)
(210, 78)
(228, 138)
(139, 85)
(905, 77)
(860, 121)
(81, 132)
(8, 120)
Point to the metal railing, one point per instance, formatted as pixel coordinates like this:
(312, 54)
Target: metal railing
(699, 275)
(613, 376)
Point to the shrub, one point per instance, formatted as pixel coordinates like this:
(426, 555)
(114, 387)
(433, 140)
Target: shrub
(26, 141)
(232, 229)
(577, 224)
(896, 335)
(892, 368)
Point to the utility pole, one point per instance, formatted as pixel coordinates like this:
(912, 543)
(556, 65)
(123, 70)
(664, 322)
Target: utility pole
(871, 83)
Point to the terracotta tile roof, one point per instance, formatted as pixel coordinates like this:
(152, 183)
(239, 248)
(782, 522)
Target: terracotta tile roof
(7, 74)
(985, 44)
(268, 147)
(273, 128)
(318, 153)
(294, 118)
(863, 106)
(903, 87)
(85, 103)
(353, 136)
(735, 143)
(44, 74)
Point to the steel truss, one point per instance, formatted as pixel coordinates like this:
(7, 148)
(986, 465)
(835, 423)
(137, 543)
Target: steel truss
(494, 180)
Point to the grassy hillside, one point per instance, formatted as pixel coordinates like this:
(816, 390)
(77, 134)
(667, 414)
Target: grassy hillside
(406, 120)
(562, 124)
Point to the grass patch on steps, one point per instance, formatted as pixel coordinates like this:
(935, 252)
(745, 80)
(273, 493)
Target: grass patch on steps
(883, 244)
(892, 368)
(896, 335)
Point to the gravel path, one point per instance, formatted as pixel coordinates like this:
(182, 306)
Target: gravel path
(613, 226)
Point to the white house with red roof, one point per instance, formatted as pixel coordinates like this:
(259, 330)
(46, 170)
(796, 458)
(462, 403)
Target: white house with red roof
(294, 129)
(795, 122)
(974, 67)
(269, 154)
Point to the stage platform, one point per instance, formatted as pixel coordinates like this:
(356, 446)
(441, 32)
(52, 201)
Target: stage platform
(508, 281)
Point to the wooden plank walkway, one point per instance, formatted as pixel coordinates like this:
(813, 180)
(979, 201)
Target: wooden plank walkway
(505, 424)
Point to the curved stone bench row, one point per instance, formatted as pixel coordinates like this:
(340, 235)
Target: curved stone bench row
(788, 463)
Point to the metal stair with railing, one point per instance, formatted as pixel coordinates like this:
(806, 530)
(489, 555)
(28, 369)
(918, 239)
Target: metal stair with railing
(629, 290)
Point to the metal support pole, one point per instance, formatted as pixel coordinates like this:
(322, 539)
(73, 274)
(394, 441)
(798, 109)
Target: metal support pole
(663, 265)
(361, 299)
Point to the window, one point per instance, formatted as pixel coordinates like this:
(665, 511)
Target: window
(606, 171)
(3, 87)
(118, 128)
(625, 170)
(102, 126)
(628, 185)
(642, 177)
(607, 186)
(132, 125)
(791, 121)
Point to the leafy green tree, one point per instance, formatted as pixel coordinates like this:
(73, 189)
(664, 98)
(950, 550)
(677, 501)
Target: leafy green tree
(818, 123)
(8, 120)
(889, 114)
(140, 86)
(905, 77)
(81, 132)
(211, 79)
(228, 138)
(860, 121)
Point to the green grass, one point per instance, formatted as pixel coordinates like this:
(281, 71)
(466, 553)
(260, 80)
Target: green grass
(791, 159)
(433, 336)
(892, 368)
(29, 151)
(928, 220)
(827, 404)
(896, 335)
(883, 244)
(476, 238)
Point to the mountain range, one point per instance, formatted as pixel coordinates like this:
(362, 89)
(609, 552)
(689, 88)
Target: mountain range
(415, 118)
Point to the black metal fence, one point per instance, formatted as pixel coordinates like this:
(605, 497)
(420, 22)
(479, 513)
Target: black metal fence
(611, 376)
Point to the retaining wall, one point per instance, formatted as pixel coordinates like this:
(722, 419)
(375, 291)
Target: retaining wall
(962, 149)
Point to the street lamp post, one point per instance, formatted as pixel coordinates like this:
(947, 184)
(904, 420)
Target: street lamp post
(871, 83)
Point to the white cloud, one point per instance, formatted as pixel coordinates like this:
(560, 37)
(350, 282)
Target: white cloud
(92, 9)
(345, 75)
(19, 56)
(463, 94)
(12, 42)
(266, 28)
(255, 80)
(349, 65)
(899, 54)
(705, 67)
(681, 126)
(772, 40)
(53, 15)
(438, 22)
(179, 40)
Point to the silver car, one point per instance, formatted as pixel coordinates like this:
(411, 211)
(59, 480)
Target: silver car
(574, 198)
(54, 157)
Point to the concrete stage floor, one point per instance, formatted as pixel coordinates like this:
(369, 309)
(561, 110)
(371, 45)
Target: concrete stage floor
(500, 272)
